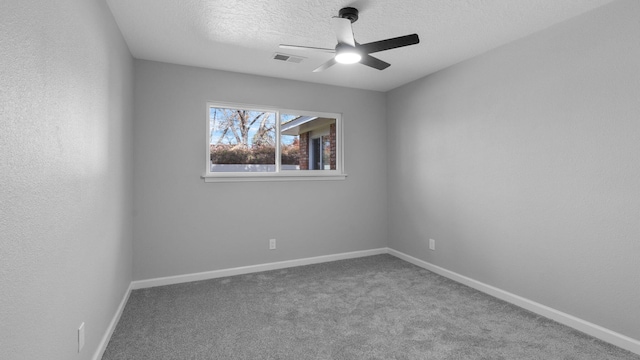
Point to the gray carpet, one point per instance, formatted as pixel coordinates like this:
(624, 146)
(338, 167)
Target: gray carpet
(378, 307)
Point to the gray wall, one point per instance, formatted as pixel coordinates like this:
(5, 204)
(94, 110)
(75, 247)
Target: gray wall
(66, 88)
(523, 165)
(183, 225)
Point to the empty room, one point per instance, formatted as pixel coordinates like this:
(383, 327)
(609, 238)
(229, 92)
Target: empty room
(346, 179)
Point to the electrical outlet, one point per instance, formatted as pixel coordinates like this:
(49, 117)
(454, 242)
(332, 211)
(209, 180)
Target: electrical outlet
(80, 337)
(432, 244)
(272, 244)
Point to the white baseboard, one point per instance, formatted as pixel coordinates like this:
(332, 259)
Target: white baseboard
(169, 280)
(586, 327)
(112, 326)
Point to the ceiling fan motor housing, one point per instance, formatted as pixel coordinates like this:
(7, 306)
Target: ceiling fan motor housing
(349, 13)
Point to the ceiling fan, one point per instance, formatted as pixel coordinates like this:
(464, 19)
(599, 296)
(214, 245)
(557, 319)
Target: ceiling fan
(348, 51)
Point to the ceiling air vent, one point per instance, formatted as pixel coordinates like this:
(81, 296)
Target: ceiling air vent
(288, 58)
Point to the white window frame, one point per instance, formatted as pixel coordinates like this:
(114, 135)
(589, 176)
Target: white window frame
(278, 174)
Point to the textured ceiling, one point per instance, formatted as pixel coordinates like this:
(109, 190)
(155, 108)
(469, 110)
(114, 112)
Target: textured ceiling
(242, 36)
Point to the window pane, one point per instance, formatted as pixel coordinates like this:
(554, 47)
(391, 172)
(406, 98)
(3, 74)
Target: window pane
(242, 140)
(289, 143)
(307, 142)
(326, 153)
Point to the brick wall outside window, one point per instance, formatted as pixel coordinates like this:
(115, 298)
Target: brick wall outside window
(304, 151)
(332, 140)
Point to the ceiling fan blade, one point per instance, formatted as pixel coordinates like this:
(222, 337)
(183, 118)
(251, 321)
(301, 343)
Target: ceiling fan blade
(387, 44)
(344, 32)
(296, 47)
(374, 62)
(326, 65)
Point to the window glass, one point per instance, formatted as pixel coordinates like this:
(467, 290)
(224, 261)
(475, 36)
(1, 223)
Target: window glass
(290, 144)
(242, 140)
(313, 137)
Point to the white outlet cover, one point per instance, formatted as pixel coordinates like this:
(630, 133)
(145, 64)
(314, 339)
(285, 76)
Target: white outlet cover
(432, 244)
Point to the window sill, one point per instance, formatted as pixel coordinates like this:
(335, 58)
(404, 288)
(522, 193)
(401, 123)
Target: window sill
(271, 177)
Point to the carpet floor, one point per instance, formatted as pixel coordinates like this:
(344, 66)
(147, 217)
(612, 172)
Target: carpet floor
(377, 307)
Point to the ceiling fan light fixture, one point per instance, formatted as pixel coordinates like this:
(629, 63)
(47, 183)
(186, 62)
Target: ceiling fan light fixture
(348, 56)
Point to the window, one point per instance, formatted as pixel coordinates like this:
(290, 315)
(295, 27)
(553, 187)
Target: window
(247, 143)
